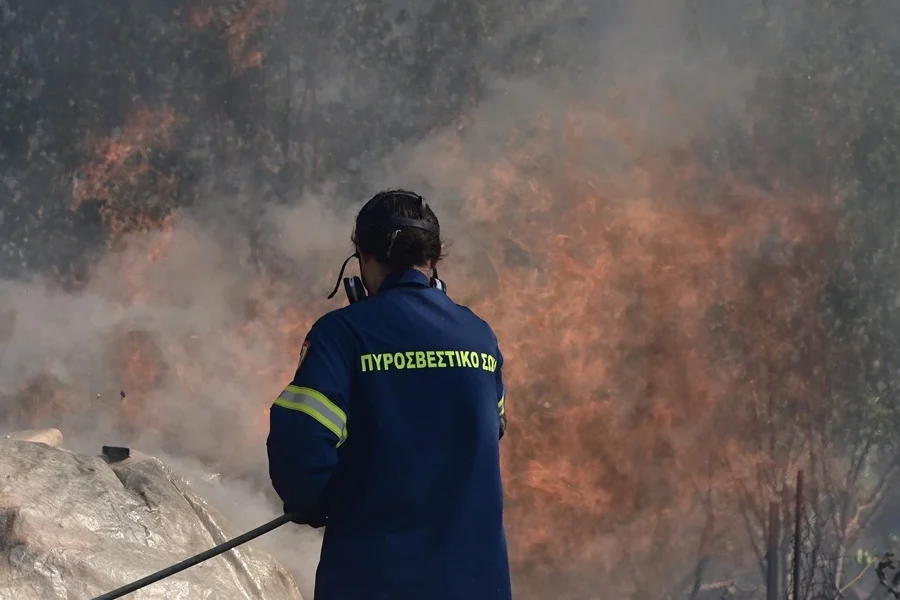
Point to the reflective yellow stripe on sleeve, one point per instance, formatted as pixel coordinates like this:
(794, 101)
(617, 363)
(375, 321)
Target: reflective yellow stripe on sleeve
(317, 406)
(501, 405)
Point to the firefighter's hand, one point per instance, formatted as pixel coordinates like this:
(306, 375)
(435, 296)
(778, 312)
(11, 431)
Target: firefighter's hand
(314, 518)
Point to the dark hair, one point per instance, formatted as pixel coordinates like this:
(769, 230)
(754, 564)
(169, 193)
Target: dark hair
(399, 229)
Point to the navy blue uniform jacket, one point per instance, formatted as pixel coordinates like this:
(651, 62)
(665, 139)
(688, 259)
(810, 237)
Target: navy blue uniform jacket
(389, 437)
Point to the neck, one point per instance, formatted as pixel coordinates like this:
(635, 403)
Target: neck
(374, 280)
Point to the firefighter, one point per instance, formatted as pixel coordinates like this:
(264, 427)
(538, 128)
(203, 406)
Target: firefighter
(389, 434)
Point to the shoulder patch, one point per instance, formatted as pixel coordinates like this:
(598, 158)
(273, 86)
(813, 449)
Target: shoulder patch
(304, 352)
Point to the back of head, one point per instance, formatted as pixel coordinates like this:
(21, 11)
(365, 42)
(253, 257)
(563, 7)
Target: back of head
(399, 230)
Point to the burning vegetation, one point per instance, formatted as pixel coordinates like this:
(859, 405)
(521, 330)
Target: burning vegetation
(692, 305)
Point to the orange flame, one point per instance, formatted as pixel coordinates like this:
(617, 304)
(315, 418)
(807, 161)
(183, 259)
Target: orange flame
(121, 163)
(238, 26)
(646, 316)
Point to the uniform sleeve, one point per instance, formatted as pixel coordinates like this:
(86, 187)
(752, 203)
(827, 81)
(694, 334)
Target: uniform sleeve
(501, 394)
(308, 422)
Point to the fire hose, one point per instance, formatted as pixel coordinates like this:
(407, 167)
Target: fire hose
(197, 559)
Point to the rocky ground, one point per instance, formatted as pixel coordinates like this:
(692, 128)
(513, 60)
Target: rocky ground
(75, 526)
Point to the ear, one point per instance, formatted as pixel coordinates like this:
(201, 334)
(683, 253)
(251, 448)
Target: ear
(435, 261)
(364, 258)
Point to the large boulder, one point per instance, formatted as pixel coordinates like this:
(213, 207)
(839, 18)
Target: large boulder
(73, 527)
